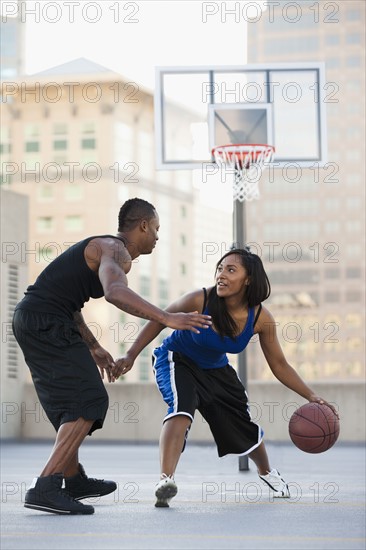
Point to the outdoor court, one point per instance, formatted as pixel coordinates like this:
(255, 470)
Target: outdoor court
(216, 507)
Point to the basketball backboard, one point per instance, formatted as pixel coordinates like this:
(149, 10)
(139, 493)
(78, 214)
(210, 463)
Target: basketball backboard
(198, 108)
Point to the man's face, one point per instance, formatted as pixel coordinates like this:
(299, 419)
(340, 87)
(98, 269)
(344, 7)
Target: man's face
(151, 237)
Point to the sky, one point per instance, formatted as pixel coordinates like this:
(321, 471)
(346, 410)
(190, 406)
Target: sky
(134, 37)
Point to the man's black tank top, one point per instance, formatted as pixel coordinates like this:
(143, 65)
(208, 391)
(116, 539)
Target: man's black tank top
(64, 286)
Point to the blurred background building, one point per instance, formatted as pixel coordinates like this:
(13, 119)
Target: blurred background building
(312, 220)
(77, 140)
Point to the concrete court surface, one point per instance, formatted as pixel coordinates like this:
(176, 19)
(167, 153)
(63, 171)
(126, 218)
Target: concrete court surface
(217, 507)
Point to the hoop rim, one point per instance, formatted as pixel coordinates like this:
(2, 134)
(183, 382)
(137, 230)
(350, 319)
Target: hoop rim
(226, 146)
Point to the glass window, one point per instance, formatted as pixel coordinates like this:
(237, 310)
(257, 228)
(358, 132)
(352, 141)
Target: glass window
(88, 143)
(332, 297)
(353, 203)
(332, 273)
(353, 38)
(332, 40)
(332, 63)
(32, 146)
(60, 144)
(183, 268)
(353, 272)
(73, 192)
(353, 61)
(353, 15)
(73, 223)
(60, 128)
(44, 224)
(88, 128)
(45, 192)
(332, 227)
(353, 226)
(145, 286)
(31, 130)
(353, 296)
(5, 148)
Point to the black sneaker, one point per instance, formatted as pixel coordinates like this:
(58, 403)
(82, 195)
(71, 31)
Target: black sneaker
(46, 495)
(82, 486)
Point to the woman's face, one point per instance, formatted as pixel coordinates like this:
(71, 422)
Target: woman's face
(231, 277)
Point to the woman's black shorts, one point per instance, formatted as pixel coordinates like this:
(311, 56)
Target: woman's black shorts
(218, 394)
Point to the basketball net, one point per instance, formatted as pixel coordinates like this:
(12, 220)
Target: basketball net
(247, 163)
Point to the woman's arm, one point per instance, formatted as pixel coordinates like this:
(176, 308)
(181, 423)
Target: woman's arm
(277, 362)
(191, 302)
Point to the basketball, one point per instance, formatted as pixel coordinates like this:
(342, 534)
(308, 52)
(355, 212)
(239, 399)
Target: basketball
(314, 428)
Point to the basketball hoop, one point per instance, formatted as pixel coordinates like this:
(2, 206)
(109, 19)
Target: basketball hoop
(247, 163)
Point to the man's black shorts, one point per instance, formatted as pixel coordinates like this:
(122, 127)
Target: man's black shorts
(218, 394)
(65, 376)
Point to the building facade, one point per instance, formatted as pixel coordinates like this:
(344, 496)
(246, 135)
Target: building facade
(311, 229)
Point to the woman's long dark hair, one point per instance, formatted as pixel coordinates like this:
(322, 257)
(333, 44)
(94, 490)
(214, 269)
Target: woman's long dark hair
(257, 291)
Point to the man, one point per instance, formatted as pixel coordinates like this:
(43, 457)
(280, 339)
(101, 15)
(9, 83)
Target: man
(62, 353)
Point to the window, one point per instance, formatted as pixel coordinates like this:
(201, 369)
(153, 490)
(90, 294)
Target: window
(45, 192)
(88, 143)
(353, 226)
(183, 211)
(45, 224)
(60, 145)
(353, 296)
(353, 15)
(32, 146)
(5, 148)
(353, 38)
(353, 272)
(353, 203)
(88, 128)
(353, 61)
(183, 240)
(332, 273)
(332, 227)
(73, 223)
(60, 128)
(73, 192)
(183, 268)
(31, 130)
(332, 297)
(145, 286)
(332, 40)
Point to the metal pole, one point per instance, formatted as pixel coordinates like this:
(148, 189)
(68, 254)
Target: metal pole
(239, 231)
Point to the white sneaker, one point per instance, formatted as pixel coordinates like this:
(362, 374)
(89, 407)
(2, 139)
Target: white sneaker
(277, 485)
(166, 489)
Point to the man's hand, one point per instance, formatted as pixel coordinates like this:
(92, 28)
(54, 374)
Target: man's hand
(122, 366)
(188, 321)
(105, 362)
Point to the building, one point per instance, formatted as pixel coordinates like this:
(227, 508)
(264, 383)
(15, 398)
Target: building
(12, 48)
(78, 140)
(312, 232)
(14, 276)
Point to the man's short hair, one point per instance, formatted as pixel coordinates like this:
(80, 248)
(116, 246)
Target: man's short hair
(132, 212)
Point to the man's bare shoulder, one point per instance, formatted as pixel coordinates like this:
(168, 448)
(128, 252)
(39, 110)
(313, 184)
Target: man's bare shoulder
(103, 248)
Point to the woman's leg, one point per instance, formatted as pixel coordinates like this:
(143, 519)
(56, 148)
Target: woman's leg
(171, 442)
(260, 459)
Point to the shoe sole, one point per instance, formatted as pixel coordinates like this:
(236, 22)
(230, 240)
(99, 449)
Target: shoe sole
(42, 508)
(164, 494)
(90, 495)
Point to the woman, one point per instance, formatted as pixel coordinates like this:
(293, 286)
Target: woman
(192, 370)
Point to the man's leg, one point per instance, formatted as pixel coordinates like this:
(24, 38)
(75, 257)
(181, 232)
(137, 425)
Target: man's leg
(46, 493)
(65, 451)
